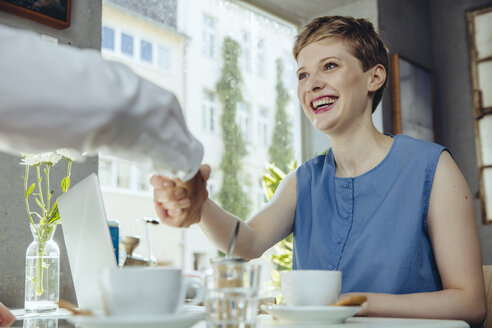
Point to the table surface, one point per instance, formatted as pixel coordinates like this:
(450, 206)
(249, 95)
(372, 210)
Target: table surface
(355, 322)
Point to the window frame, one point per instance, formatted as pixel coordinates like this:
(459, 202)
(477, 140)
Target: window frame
(479, 110)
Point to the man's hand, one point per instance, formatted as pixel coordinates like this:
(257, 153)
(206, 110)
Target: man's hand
(6, 317)
(179, 203)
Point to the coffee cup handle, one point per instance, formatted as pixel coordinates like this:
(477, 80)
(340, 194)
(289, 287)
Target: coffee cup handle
(193, 282)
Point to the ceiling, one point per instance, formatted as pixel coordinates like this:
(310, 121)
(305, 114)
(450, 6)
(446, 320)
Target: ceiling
(298, 11)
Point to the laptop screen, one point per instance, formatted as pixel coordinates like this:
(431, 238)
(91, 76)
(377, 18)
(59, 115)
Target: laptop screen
(87, 239)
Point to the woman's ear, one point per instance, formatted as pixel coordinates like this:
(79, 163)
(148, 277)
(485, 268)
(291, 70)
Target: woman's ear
(377, 78)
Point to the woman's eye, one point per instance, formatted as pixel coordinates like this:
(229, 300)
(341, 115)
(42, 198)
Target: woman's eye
(329, 66)
(301, 76)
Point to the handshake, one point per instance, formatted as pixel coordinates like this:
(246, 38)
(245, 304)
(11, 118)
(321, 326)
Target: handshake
(178, 203)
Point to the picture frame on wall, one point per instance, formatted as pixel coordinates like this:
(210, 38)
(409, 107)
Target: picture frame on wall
(54, 13)
(412, 98)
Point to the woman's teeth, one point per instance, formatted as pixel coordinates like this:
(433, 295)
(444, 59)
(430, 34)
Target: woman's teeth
(317, 104)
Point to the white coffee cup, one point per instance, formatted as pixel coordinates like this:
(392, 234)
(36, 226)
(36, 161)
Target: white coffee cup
(311, 287)
(139, 291)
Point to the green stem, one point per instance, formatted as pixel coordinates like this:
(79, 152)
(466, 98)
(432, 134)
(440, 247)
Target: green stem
(40, 189)
(48, 193)
(26, 179)
(38, 283)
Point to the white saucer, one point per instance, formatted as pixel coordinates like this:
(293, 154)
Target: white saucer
(311, 314)
(180, 320)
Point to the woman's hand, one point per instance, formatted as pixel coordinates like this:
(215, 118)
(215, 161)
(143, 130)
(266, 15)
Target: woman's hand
(179, 203)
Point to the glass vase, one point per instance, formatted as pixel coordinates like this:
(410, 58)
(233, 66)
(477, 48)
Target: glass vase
(42, 271)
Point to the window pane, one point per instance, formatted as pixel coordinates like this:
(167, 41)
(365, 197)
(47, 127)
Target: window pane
(123, 175)
(485, 82)
(417, 117)
(483, 28)
(127, 44)
(485, 128)
(104, 172)
(208, 39)
(245, 51)
(260, 58)
(107, 38)
(164, 58)
(487, 182)
(146, 51)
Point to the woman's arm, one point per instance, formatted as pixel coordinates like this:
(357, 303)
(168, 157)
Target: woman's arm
(454, 238)
(267, 227)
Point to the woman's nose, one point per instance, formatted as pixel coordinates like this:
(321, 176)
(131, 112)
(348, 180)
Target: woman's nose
(314, 83)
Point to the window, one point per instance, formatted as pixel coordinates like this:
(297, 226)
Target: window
(127, 44)
(480, 31)
(188, 60)
(260, 58)
(263, 133)
(243, 119)
(145, 51)
(164, 57)
(208, 36)
(245, 53)
(107, 38)
(209, 115)
(118, 175)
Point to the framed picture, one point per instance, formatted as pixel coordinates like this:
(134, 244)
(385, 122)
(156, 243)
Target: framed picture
(55, 13)
(412, 97)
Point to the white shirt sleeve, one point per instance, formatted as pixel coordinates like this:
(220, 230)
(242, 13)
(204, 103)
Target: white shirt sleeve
(61, 97)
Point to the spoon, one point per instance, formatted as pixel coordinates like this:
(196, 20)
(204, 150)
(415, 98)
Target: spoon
(232, 240)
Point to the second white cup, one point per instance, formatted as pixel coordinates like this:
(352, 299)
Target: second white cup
(146, 291)
(311, 287)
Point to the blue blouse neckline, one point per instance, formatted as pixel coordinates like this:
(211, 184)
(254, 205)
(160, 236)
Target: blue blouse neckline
(331, 160)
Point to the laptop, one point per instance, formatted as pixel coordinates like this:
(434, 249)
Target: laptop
(87, 239)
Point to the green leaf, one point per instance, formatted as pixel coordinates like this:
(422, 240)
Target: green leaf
(65, 184)
(29, 191)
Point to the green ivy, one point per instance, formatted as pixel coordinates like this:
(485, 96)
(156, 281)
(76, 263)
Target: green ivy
(281, 150)
(231, 195)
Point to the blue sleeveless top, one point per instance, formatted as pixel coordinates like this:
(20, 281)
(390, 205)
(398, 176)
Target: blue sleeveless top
(371, 227)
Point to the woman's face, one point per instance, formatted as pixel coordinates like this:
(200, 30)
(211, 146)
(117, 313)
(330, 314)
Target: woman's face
(332, 87)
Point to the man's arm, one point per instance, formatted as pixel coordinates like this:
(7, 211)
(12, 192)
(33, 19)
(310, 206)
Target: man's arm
(6, 317)
(63, 97)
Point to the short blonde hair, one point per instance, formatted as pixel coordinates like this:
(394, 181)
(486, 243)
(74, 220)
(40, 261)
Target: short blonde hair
(360, 36)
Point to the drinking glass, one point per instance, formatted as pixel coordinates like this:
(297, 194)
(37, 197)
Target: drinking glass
(231, 295)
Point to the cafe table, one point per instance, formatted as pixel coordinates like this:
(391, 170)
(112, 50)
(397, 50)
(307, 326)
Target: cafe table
(266, 321)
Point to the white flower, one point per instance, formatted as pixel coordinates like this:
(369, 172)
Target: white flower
(69, 154)
(30, 159)
(50, 158)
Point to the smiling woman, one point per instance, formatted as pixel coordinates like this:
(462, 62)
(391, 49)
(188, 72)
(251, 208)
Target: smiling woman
(393, 213)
